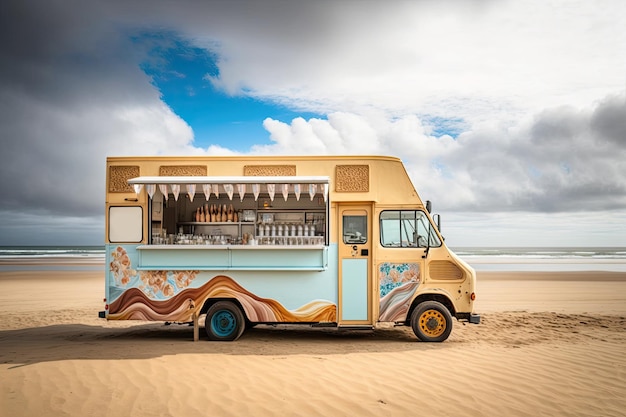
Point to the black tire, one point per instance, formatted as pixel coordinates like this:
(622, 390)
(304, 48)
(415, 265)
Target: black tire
(224, 321)
(431, 322)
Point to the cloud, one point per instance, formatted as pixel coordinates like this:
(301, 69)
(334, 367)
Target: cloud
(31, 228)
(608, 123)
(54, 147)
(470, 60)
(71, 93)
(562, 160)
(590, 229)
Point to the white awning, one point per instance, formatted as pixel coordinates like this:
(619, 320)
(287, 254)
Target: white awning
(214, 185)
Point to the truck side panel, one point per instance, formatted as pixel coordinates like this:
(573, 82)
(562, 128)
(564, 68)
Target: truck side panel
(138, 293)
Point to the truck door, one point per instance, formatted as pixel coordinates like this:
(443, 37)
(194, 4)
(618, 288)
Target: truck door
(355, 251)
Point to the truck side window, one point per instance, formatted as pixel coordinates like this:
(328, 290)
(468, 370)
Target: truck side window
(406, 229)
(390, 229)
(354, 229)
(125, 224)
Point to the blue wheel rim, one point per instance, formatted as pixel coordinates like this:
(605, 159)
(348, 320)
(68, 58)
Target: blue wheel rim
(223, 323)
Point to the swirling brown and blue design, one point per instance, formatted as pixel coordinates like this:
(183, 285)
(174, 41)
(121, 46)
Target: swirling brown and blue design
(134, 304)
(398, 283)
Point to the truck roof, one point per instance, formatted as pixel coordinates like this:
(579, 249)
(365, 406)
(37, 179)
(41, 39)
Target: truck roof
(381, 179)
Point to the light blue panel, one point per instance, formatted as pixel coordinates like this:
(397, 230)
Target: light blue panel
(184, 258)
(354, 289)
(293, 289)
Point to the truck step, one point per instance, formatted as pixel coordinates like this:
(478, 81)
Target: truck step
(355, 327)
(324, 324)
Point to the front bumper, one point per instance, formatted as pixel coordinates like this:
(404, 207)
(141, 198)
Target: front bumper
(469, 317)
(474, 318)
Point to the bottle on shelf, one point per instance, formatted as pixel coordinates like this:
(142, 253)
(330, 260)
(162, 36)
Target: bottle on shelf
(230, 213)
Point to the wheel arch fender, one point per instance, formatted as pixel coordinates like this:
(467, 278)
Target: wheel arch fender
(210, 301)
(430, 296)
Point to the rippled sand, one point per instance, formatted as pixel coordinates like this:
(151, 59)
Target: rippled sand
(550, 344)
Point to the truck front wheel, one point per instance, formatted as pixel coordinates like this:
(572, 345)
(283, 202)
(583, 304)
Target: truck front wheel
(224, 321)
(431, 322)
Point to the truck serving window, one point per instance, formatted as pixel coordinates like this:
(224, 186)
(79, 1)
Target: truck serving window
(406, 229)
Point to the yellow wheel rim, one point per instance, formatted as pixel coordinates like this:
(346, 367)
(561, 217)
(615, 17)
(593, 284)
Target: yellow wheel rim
(432, 323)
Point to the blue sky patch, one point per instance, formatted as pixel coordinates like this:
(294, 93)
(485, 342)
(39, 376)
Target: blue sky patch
(179, 71)
(440, 126)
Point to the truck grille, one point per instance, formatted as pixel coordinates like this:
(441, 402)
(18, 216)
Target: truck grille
(445, 270)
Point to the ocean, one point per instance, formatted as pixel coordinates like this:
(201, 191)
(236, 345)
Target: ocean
(36, 258)
(545, 259)
(14, 258)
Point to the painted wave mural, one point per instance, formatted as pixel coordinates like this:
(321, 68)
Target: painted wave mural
(398, 283)
(134, 304)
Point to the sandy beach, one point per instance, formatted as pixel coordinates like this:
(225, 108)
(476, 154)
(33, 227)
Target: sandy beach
(550, 344)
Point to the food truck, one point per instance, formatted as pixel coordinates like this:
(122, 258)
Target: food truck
(336, 241)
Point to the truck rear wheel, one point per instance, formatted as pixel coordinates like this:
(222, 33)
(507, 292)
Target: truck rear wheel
(224, 321)
(431, 322)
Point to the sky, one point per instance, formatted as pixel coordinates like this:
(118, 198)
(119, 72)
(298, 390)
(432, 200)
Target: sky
(510, 116)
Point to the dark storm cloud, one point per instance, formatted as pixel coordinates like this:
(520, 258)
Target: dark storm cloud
(565, 160)
(609, 120)
(71, 93)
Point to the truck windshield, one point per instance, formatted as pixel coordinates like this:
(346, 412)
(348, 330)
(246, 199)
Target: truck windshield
(406, 229)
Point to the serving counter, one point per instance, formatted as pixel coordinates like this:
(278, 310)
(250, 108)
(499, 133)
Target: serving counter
(233, 257)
